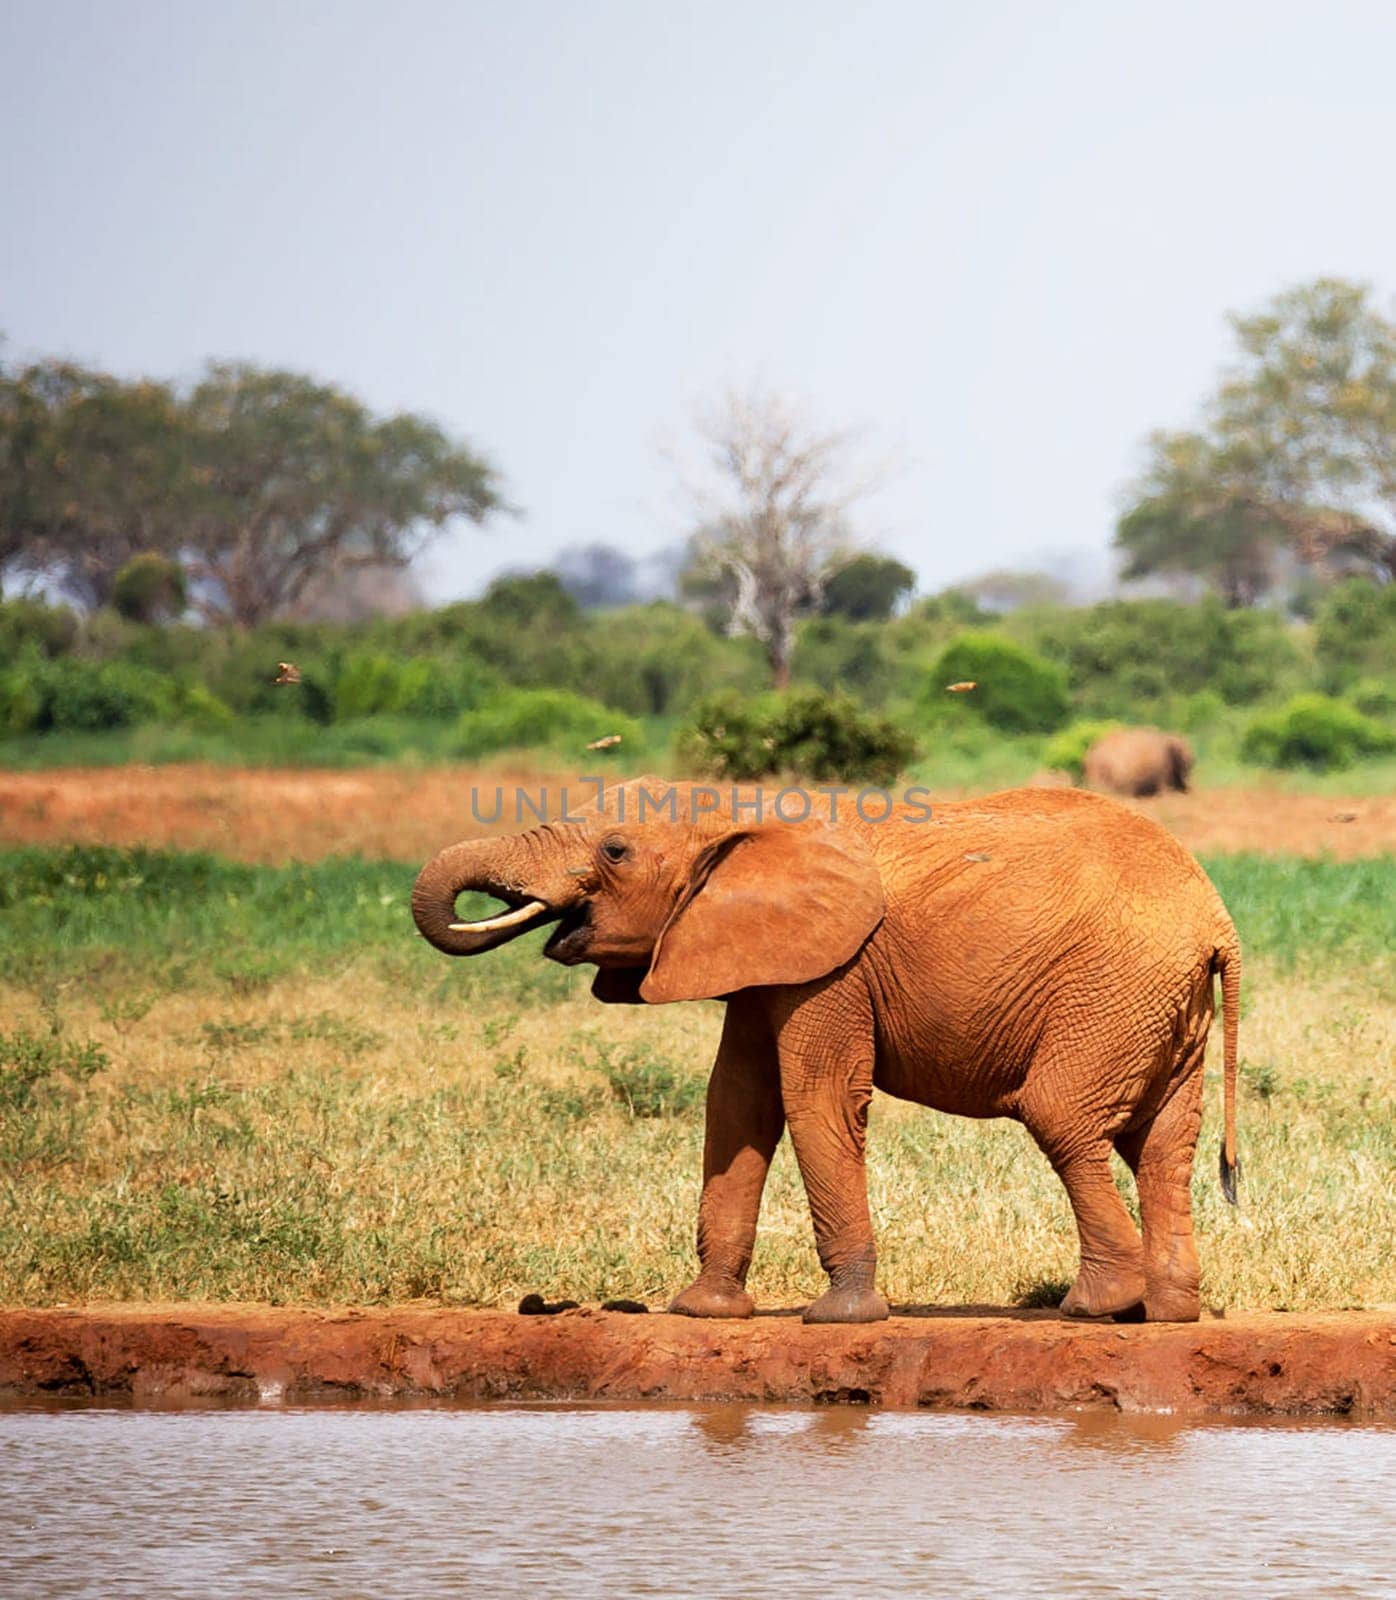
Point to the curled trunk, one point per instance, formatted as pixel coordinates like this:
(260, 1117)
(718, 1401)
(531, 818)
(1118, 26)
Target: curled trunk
(488, 866)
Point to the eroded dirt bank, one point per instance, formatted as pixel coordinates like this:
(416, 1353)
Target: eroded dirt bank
(1338, 1363)
(392, 813)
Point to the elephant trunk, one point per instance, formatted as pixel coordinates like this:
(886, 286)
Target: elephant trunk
(495, 867)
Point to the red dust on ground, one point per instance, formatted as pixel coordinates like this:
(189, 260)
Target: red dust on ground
(975, 1358)
(400, 814)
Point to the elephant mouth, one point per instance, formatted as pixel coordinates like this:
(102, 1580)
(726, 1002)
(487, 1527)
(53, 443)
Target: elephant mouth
(569, 941)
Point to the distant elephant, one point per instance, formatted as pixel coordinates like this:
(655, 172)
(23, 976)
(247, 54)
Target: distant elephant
(1138, 762)
(1040, 954)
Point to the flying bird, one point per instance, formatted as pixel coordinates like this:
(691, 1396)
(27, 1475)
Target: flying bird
(287, 672)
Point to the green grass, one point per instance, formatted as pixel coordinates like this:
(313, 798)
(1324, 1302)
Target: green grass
(201, 917)
(977, 757)
(232, 1082)
(273, 741)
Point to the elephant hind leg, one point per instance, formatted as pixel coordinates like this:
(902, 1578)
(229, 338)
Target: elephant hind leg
(1111, 1277)
(1160, 1155)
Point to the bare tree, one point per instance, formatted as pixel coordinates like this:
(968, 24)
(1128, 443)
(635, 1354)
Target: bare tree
(773, 503)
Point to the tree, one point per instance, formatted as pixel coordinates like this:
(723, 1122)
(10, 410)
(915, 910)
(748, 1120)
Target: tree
(867, 589)
(150, 588)
(1311, 410)
(1297, 452)
(1007, 589)
(773, 503)
(1198, 513)
(95, 473)
(598, 575)
(260, 483)
(300, 480)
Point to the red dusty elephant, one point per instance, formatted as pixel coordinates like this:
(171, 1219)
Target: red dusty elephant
(1043, 955)
(1138, 762)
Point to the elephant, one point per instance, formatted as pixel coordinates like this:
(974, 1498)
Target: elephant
(1045, 955)
(1138, 762)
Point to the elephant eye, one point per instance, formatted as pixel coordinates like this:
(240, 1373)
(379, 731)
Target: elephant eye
(615, 849)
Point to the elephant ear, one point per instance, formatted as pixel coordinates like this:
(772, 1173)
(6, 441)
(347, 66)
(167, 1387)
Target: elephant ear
(784, 903)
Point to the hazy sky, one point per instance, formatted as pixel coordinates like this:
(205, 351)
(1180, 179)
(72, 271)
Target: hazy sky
(1000, 237)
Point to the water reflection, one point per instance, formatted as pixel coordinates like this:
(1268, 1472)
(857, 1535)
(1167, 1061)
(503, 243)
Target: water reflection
(828, 1429)
(722, 1500)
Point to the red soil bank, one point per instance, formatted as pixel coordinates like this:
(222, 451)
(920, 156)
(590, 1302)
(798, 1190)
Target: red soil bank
(1257, 1364)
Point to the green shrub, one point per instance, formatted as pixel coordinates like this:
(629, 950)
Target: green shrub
(843, 657)
(1066, 751)
(430, 686)
(21, 699)
(149, 588)
(1313, 730)
(201, 708)
(26, 624)
(1126, 658)
(368, 683)
(1015, 691)
(1374, 697)
(1198, 712)
(27, 1059)
(526, 718)
(1355, 632)
(650, 1085)
(70, 695)
(729, 737)
(827, 738)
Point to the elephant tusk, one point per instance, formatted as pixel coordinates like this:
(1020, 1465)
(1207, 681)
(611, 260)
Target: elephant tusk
(505, 919)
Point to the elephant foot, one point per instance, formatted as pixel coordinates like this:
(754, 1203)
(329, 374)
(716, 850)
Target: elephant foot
(713, 1297)
(848, 1305)
(1172, 1304)
(1104, 1292)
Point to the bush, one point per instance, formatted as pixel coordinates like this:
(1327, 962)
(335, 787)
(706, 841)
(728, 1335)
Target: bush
(431, 687)
(1066, 751)
(842, 657)
(29, 624)
(1126, 657)
(1355, 632)
(81, 696)
(366, 685)
(1313, 730)
(524, 718)
(1374, 697)
(201, 708)
(650, 1085)
(27, 1059)
(21, 700)
(827, 738)
(1015, 691)
(149, 588)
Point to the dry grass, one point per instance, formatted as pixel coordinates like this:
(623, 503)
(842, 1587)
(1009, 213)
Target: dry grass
(359, 1138)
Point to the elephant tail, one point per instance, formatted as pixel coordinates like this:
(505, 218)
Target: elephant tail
(1227, 961)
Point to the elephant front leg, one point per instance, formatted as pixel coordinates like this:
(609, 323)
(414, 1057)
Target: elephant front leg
(745, 1120)
(826, 1083)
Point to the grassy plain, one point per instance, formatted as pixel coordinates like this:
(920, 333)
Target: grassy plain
(230, 1081)
(977, 759)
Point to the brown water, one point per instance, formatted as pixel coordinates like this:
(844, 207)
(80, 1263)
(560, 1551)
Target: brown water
(716, 1501)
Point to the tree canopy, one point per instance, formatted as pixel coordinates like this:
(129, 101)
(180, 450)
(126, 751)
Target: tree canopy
(258, 482)
(867, 588)
(1296, 454)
